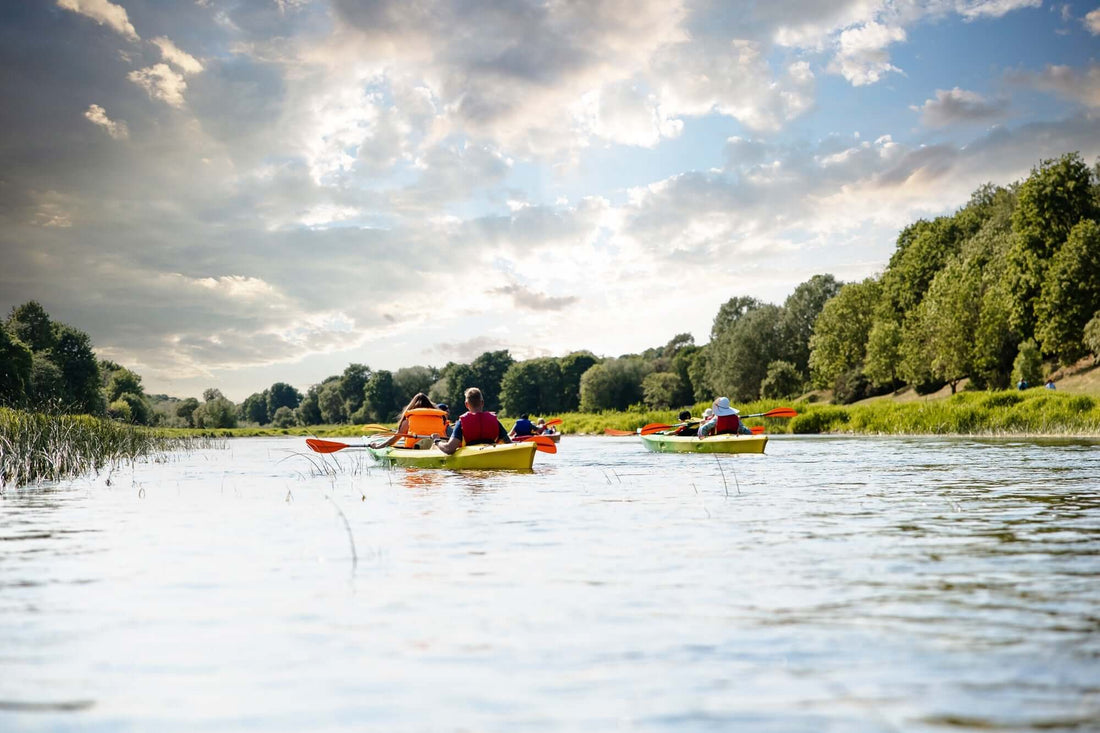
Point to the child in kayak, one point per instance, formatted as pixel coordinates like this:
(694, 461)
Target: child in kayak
(725, 420)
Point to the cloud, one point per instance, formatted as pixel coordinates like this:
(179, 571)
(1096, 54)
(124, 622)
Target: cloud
(467, 351)
(861, 55)
(103, 12)
(959, 106)
(1092, 22)
(973, 9)
(524, 298)
(1081, 86)
(162, 83)
(184, 61)
(98, 116)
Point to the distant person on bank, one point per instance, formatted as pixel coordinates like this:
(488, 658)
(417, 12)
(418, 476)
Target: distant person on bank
(473, 427)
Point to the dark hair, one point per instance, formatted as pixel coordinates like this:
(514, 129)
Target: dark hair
(419, 400)
(684, 415)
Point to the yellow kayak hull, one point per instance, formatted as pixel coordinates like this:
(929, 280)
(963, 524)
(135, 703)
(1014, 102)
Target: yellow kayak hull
(710, 444)
(502, 456)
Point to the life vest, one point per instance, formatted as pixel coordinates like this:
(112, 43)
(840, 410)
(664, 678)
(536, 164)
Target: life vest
(727, 424)
(479, 427)
(523, 427)
(424, 421)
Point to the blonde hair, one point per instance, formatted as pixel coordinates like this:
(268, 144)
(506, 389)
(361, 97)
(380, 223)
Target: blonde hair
(474, 398)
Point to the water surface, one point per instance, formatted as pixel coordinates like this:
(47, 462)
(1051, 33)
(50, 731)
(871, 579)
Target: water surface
(833, 584)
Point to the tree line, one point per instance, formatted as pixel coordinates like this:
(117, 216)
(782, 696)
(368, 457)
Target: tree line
(991, 293)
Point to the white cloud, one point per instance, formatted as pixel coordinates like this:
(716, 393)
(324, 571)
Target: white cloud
(1092, 22)
(954, 106)
(184, 61)
(103, 12)
(162, 83)
(861, 55)
(98, 116)
(523, 297)
(972, 9)
(1082, 86)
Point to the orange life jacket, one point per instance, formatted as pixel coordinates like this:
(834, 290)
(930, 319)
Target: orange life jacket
(424, 421)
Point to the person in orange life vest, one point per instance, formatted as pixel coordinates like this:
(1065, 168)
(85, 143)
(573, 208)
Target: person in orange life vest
(420, 417)
(725, 420)
(473, 427)
(523, 427)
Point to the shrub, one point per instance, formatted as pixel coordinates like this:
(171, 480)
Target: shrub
(819, 420)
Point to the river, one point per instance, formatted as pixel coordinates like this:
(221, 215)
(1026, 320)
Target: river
(832, 584)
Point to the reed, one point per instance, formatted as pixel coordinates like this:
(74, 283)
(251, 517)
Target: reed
(37, 447)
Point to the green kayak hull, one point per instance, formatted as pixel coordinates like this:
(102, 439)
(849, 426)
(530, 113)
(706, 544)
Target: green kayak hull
(710, 444)
(507, 456)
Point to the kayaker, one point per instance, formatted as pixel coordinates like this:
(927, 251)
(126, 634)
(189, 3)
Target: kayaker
(473, 427)
(542, 429)
(446, 420)
(419, 418)
(688, 425)
(523, 427)
(725, 420)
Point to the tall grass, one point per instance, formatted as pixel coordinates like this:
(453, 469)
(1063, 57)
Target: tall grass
(37, 447)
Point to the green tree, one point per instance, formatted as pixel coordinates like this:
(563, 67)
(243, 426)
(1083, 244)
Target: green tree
(120, 410)
(949, 316)
(738, 359)
(212, 393)
(923, 249)
(532, 387)
(279, 395)
(1028, 365)
(800, 311)
(573, 366)
(380, 398)
(216, 412)
(137, 409)
(1070, 294)
(284, 418)
(72, 353)
(121, 381)
(660, 388)
(613, 384)
(16, 361)
(488, 372)
(840, 332)
(456, 378)
(409, 381)
(1056, 196)
(697, 373)
(883, 357)
(352, 382)
(47, 386)
(1092, 334)
(681, 366)
(32, 325)
(309, 411)
(730, 312)
(331, 402)
(783, 380)
(254, 408)
(186, 410)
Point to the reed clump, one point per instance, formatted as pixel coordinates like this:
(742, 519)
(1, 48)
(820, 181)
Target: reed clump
(37, 447)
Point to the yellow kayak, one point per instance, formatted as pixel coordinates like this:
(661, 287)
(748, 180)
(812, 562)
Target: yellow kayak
(513, 456)
(711, 444)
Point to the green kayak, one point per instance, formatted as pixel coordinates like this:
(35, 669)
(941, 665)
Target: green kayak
(711, 444)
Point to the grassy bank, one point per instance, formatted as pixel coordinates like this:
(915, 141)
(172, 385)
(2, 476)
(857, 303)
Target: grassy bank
(36, 447)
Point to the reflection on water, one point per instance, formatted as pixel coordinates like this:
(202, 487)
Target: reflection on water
(841, 584)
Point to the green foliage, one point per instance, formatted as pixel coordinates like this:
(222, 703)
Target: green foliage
(284, 417)
(737, 361)
(131, 408)
(254, 408)
(697, 375)
(922, 251)
(730, 313)
(217, 412)
(841, 331)
(883, 360)
(782, 381)
(825, 419)
(1028, 365)
(212, 393)
(946, 321)
(659, 389)
(613, 384)
(408, 381)
(331, 403)
(380, 398)
(1092, 334)
(309, 411)
(72, 353)
(16, 361)
(32, 325)
(488, 372)
(800, 312)
(282, 394)
(186, 410)
(532, 387)
(573, 366)
(352, 382)
(120, 410)
(47, 383)
(455, 379)
(1070, 294)
(121, 381)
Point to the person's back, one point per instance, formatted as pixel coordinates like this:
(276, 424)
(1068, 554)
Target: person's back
(422, 422)
(474, 427)
(523, 427)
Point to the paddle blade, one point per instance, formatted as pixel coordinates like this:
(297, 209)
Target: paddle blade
(324, 446)
(781, 412)
(542, 443)
(373, 428)
(656, 427)
(552, 423)
(757, 429)
(613, 431)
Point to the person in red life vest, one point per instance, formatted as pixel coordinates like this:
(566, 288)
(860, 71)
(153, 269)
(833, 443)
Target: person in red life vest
(473, 427)
(725, 420)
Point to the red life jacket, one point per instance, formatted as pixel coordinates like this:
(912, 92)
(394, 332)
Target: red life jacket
(727, 424)
(479, 427)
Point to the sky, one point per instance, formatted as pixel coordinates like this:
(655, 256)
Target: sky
(230, 193)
